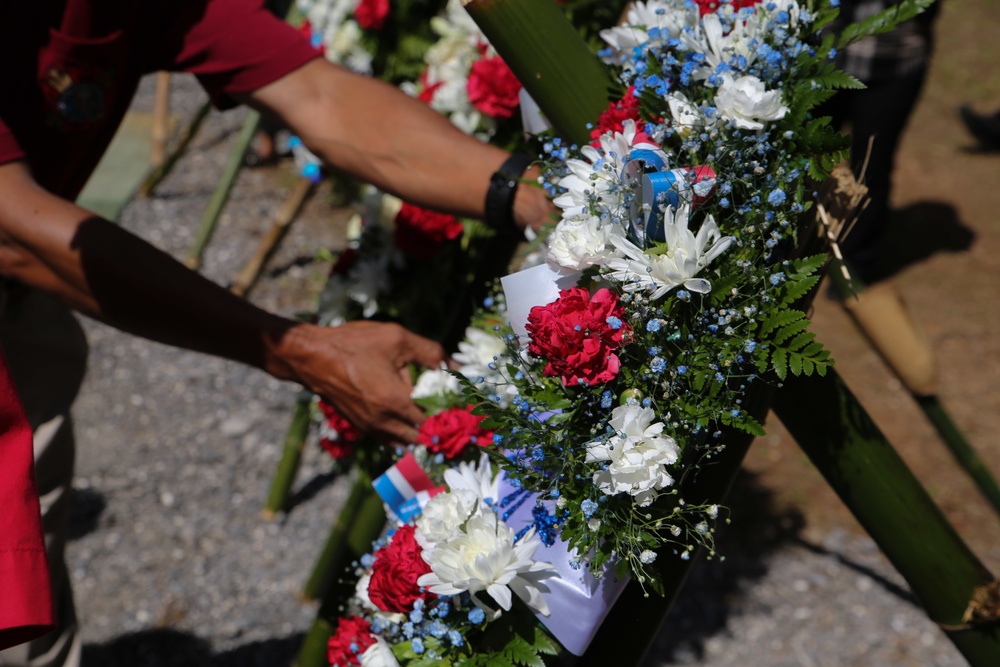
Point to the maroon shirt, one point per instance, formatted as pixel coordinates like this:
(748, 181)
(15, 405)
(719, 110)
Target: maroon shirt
(69, 69)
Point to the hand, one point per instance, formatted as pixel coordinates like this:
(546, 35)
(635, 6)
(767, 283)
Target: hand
(361, 369)
(532, 207)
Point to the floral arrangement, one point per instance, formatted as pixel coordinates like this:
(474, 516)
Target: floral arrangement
(439, 586)
(466, 80)
(602, 381)
(668, 294)
(397, 254)
(383, 38)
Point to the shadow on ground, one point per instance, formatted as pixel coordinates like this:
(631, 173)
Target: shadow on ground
(85, 509)
(170, 648)
(918, 231)
(705, 602)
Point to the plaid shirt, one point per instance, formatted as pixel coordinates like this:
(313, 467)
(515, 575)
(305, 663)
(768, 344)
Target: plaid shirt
(897, 53)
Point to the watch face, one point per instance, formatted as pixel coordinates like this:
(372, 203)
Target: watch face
(81, 103)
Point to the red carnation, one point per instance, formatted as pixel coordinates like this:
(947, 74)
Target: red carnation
(393, 586)
(421, 232)
(427, 90)
(614, 117)
(345, 261)
(451, 431)
(371, 14)
(352, 638)
(493, 88)
(340, 434)
(574, 335)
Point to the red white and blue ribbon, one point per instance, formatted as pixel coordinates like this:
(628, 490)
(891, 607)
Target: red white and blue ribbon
(405, 488)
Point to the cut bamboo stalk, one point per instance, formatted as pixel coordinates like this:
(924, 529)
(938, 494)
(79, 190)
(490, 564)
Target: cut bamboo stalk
(161, 115)
(861, 466)
(365, 529)
(284, 476)
(170, 159)
(210, 219)
(330, 560)
(282, 221)
(908, 354)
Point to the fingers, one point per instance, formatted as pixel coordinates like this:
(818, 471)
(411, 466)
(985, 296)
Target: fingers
(421, 351)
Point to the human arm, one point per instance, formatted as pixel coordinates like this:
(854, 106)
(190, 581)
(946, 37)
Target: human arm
(109, 274)
(372, 130)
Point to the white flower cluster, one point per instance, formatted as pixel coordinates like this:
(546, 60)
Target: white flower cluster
(470, 549)
(449, 62)
(368, 279)
(637, 455)
(728, 41)
(333, 22)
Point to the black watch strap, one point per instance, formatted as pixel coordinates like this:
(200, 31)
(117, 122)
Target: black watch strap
(503, 187)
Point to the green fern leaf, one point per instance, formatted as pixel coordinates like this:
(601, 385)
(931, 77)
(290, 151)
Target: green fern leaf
(520, 652)
(796, 289)
(779, 361)
(544, 644)
(800, 341)
(778, 320)
(787, 332)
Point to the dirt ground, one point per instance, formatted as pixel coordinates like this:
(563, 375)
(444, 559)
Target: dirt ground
(945, 240)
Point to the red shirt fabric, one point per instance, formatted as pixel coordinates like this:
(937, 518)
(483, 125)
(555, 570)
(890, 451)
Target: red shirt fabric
(25, 596)
(69, 69)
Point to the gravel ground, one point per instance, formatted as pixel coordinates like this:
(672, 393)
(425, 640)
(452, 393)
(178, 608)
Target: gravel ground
(172, 564)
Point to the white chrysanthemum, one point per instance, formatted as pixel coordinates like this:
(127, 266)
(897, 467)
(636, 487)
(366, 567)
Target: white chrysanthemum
(597, 179)
(734, 47)
(477, 479)
(637, 455)
(481, 557)
(579, 243)
(435, 382)
(471, 488)
(685, 255)
(443, 514)
(378, 654)
(746, 102)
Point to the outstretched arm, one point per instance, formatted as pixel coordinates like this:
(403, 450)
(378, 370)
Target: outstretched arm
(111, 275)
(381, 135)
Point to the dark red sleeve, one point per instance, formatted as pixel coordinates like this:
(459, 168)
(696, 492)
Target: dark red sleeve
(236, 46)
(10, 150)
(26, 599)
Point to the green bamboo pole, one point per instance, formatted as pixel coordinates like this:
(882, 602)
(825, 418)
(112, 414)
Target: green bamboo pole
(223, 187)
(365, 529)
(967, 457)
(921, 385)
(291, 454)
(160, 172)
(550, 59)
(331, 558)
(858, 462)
